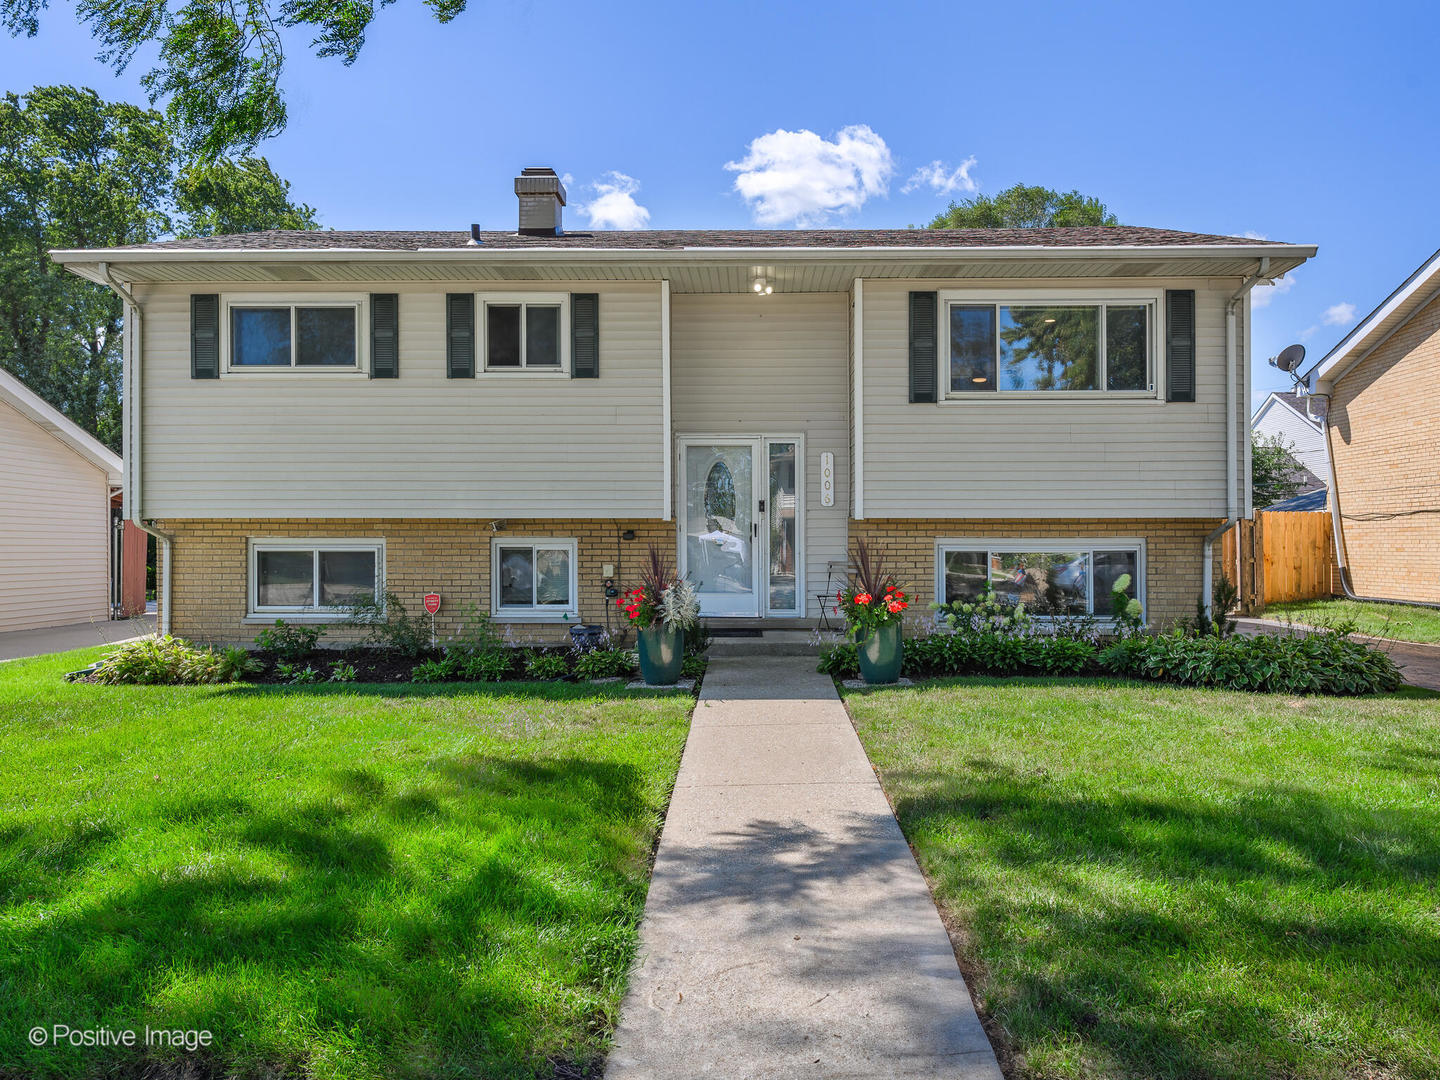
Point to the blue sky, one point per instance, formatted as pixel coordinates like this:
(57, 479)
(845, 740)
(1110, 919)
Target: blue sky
(1307, 123)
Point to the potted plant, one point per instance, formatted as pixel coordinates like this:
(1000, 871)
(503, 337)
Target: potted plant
(663, 608)
(874, 609)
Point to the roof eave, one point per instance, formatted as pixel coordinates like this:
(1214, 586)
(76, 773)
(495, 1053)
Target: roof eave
(1410, 296)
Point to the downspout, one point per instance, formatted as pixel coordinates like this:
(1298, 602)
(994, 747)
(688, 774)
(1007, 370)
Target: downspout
(1232, 456)
(1341, 556)
(130, 368)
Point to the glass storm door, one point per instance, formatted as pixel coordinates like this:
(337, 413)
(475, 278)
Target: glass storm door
(720, 539)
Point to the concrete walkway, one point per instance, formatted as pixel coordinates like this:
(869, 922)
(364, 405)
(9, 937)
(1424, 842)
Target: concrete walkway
(1419, 664)
(19, 644)
(788, 931)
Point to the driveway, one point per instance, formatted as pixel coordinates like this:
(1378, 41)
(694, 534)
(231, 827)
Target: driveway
(18, 644)
(1420, 664)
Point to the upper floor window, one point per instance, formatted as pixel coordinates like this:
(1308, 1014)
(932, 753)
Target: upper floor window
(269, 335)
(1049, 345)
(526, 332)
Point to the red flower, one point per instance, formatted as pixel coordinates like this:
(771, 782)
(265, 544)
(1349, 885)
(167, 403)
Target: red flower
(863, 598)
(895, 607)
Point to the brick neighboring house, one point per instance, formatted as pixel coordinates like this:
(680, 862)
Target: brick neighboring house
(1380, 391)
(510, 418)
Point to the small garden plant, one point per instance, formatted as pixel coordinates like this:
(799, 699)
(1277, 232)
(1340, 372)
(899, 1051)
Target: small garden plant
(166, 660)
(873, 599)
(288, 642)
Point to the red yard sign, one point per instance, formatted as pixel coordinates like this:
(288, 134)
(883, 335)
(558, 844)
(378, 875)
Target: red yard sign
(432, 602)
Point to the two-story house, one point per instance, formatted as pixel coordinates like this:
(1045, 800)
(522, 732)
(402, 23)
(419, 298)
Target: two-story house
(508, 419)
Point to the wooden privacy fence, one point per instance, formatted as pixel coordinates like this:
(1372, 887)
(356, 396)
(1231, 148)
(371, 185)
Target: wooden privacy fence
(1282, 555)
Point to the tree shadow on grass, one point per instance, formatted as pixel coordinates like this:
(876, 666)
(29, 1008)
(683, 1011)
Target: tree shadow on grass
(1157, 933)
(472, 921)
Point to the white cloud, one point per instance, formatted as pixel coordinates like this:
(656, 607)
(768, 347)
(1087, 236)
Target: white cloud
(1261, 295)
(942, 180)
(1249, 235)
(614, 205)
(798, 178)
(1339, 315)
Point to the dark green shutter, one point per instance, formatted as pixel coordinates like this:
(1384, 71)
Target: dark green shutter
(585, 335)
(924, 359)
(460, 335)
(1179, 344)
(384, 336)
(205, 336)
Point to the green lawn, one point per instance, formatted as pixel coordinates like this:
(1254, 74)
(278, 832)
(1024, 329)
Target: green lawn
(1402, 622)
(383, 881)
(1150, 881)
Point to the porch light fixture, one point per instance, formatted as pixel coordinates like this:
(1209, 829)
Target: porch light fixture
(763, 287)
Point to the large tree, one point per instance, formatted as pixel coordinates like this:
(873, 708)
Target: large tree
(217, 63)
(1024, 207)
(77, 171)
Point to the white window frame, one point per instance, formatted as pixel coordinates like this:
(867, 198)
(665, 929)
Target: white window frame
(1153, 299)
(534, 612)
(511, 299)
(315, 545)
(1090, 544)
(357, 301)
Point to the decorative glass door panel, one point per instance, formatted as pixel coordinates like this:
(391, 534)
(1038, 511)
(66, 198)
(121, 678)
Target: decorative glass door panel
(782, 510)
(720, 536)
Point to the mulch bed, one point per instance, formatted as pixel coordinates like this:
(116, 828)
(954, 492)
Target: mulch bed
(371, 665)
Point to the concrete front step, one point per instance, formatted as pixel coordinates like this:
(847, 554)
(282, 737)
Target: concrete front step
(769, 643)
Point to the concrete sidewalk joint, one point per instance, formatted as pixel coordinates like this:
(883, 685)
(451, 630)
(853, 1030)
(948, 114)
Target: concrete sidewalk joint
(788, 931)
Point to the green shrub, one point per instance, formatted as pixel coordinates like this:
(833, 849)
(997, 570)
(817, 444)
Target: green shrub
(604, 664)
(697, 640)
(492, 665)
(445, 669)
(341, 672)
(388, 625)
(1323, 663)
(289, 643)
(693, 666)
(842, 660)
(297, 675)
(167, 660)
(546, 666)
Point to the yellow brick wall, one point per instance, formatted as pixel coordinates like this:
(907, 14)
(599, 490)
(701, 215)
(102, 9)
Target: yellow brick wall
(1172, 552)
(450, 557)
(1385, 437)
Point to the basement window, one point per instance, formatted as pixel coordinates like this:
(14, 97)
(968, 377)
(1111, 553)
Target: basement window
(1053, 579)
(533, 579)
(321, 577)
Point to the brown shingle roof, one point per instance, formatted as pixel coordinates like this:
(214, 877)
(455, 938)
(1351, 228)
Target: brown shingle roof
(677, 239)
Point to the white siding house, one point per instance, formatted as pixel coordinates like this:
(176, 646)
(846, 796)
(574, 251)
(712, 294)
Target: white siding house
(54, 515)
(1283, 416)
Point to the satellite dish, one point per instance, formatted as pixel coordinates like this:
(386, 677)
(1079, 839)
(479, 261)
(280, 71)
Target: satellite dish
(1290, 358)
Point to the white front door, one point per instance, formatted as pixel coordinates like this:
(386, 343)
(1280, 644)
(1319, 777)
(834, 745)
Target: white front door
(740, 510)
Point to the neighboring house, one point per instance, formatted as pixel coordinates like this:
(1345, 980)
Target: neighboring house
(509, 419)
(1283, 416)
(55, 524)
(1380, 389)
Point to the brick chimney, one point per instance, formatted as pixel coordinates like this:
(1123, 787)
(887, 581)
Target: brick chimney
(542, 197)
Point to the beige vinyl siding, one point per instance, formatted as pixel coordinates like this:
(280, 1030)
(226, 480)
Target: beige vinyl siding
(317, 445)
(1045, 459)
(54, 530)
(774, 365)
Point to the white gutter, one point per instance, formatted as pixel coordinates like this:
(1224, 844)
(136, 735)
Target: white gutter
(666, 448)
(130, 353)
(68, 256)
(857, 390)
(1232, 454)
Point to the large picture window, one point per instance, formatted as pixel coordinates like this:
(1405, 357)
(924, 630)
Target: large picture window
(533, 578)
(320, 576)
(268, 336)
(526, 332)
(1053, 579)
(1044, 346)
